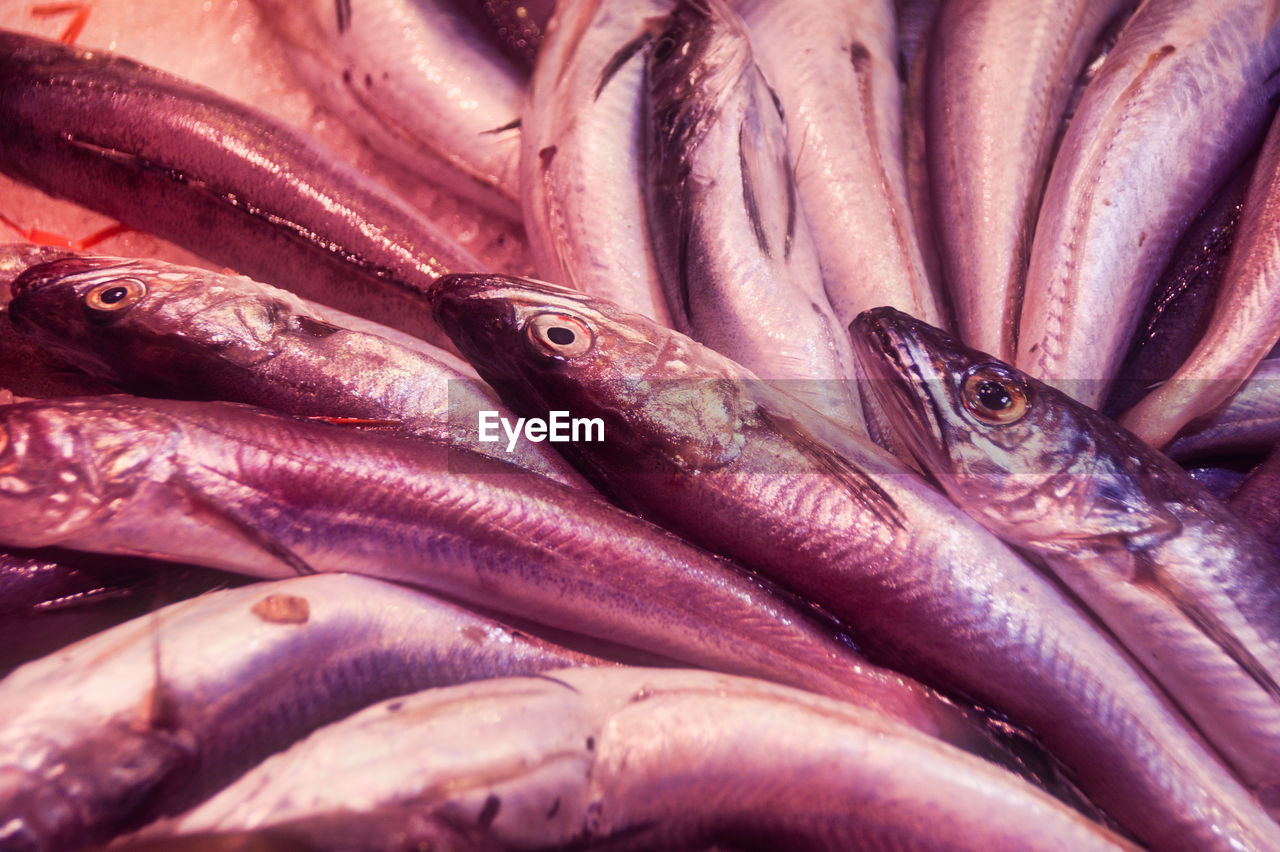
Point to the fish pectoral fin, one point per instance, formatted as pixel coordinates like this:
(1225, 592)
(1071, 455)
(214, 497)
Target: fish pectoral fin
(865, 490)
(1225, 639)
(1137, 569)
(649, 28)
(224, 524)
(1114, 519)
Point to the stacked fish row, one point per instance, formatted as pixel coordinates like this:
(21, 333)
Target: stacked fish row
(744, 177)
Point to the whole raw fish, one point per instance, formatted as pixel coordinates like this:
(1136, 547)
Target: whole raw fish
(1181, 99)
(1000, 78)
(420, 81)
(735, 255)
(645, 759)
(1187, 588)
(581, 162)
(1249, 422)
(271, 496)
(157, 714)
(229, 183)
(1177, 313)
(159, 329)
(1244, 325)
(695, 443)
(833, 68)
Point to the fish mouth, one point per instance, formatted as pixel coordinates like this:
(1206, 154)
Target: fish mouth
(903, 377)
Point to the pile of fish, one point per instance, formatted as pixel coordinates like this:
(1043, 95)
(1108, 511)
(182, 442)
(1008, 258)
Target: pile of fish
(817, 492)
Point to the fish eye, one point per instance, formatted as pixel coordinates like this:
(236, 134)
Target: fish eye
(559, 336)
(115, 296)
(994, 395)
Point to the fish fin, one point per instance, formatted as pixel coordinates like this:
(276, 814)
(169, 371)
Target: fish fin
(1137, 569)
(227, 521)
(313, 327)
(514, 124)
(1224, 638)
(625, 53)
(749, 199)
(865, 490)
(555, 680)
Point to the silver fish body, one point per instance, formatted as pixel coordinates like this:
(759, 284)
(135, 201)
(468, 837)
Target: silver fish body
(735, 255)
(271, 496)
(1249, 422)
(1000, 78)
(1188, 589)
(581, 162)
(156, 714)
(695, 444)
(1178, 103)
(229, 183)
(832, 67)
(183, 332)
(420, 81)
(646, 759)
(1244, 325)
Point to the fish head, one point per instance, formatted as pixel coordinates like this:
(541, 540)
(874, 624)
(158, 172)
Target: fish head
(128, 320)
(64, 466)
(1026, 460)
(666, 402)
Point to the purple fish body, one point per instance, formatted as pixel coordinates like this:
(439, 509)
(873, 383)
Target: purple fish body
(229, 183)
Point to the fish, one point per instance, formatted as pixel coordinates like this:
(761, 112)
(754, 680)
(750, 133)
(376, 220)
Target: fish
(1000, 79)
(50, 598)
(420, 82)
(155, 715)
(695, 444)
(1178, 311)
(734, 251)
(832, 67)
(1244, 325)
(581, 157)
(227, 182)
(189, 333)
(645, 759)
(1186, 587)
(1181, 100)
(269, 496)
(1257, 500)
(1249, 422)
(916, 20)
